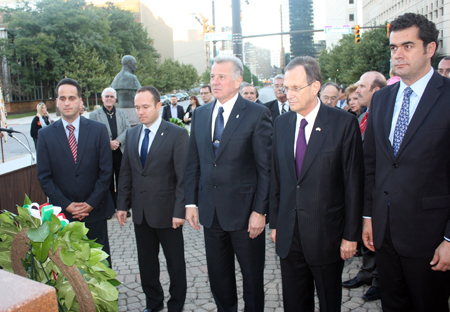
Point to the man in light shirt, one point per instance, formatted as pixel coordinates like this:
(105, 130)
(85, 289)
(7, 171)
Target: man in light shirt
(316, 191)
(279, 106)
(406, 148)
(228, 178)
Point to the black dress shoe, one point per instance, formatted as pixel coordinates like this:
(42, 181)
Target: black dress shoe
(153, 310)
(372, 294)
(354, 283)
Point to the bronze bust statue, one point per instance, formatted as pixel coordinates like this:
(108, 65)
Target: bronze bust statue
(125, 83)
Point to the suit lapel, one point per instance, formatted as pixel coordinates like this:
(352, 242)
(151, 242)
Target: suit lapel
(427, 101)
(83, 136)
(160, 135)
(209, 111)
(236, 115)
(104, 120)
(61, 136)
(387, 121)
(289, 139)
(316, 139)
(134, 134)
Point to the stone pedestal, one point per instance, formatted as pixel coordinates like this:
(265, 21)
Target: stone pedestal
(132, 116)
(18, 294)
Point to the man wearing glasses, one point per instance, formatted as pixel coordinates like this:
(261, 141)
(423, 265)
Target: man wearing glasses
(316, 200)
(205, 94)
(116, 122)
(329, 94)
(444, 67)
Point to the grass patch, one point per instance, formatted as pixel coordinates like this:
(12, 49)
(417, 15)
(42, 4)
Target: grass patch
(28, 114)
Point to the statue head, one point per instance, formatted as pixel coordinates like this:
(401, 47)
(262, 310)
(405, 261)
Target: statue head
(129, 62)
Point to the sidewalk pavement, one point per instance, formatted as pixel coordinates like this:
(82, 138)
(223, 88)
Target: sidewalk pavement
(199, 298)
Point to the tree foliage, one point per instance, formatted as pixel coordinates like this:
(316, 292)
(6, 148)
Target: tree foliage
(347, 61)
(172, 75)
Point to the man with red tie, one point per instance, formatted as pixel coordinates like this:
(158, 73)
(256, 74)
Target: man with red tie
(74, 164)
(368, 84)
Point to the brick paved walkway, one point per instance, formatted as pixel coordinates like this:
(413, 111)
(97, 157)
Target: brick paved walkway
(199, 298)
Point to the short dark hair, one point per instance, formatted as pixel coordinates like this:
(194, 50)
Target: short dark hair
(427, 29)
(329, 83)
(153, 91)
(72, 82)
(206, 86)
(378, 83)
(310, 65)
(447, 58)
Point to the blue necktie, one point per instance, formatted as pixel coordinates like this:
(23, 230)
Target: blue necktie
(218, 130)
(144, 147)
(402, 121)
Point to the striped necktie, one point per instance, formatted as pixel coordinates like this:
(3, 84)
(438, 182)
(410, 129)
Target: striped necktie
(72, 142)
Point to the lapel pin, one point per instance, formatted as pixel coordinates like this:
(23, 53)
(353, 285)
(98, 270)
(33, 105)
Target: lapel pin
(162, 133)
(318, 129)
(237, 116)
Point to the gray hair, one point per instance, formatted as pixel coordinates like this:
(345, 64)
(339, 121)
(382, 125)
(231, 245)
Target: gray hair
(330, 83)
(238, 68)
(109, 90)
(244, 84)
(310, 65)
(279, 76)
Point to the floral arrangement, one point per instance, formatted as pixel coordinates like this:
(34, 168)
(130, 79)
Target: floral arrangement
(178, 122)
(41, 244)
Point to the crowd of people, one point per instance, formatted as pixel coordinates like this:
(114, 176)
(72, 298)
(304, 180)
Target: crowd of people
(332, 169)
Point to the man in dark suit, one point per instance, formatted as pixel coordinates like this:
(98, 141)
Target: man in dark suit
(280, 105)
(74, 164)
(316, 193)
(407, 197)
(173, 110)
(227, 178)
(116, 122)
(152, 174)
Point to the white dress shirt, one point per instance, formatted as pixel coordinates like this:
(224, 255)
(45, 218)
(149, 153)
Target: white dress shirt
(153, 129)
(281, 105)
(311, 119)
(418, 88)
(76, 124)
(227, 108)
(174, 111)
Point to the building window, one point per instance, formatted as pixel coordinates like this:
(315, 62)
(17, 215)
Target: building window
(436, 14)
(430, 16)
(351, 17)
(432, 6)
(350, 1)
(442, 11)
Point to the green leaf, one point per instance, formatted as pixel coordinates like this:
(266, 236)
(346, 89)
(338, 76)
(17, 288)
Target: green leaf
(114, 282)
(86, 252)
(27, 200)
(107, 305)
(10, 230)
(69, 299)
(103, 289)
(40, 250)
(55, 224)
(25, 216)
(5, 218)
(68, 257)
(40, 234)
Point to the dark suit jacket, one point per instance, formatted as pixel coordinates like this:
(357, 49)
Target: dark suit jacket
(236, 182)
(328, 195)
(158, 188)
(415, 184)
(88, 180)
(258, 101)
(274, 109)
(167, 113)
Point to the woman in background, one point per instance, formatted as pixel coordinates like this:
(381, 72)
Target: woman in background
(41, 120)
(188, 116)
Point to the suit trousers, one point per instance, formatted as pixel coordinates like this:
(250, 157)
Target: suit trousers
(171, 240)
(99, 232)
(298, 280)
(117, 160)
(221, 246)
(409, 284)
(368, 272)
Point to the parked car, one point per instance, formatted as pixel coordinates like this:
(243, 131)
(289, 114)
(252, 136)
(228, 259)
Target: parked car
(165, 100)
(186, 96)
(179, 97)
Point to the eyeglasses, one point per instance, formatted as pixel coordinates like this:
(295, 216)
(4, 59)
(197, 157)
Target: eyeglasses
(204, 93)
(294, 89)
(444, 71)
(326, 98)
(109, 96)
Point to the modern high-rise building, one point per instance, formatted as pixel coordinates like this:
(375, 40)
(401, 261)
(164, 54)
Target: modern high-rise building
(301, 17)
(379, 12)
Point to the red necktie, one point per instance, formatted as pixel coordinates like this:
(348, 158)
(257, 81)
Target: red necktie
(363, 123)
(72, 142)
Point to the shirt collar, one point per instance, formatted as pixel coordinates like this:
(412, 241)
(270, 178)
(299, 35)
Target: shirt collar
(419, 86)
(75, 123)
(228, 105)
(311, 117)
(154, 127)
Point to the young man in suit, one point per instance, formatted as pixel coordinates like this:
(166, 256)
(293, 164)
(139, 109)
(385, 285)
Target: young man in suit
(173, 110)
(152, 175)
(407, 197)
(227, 178)
(74, 164)
(280, 105)
(116, 122)
(316, 191)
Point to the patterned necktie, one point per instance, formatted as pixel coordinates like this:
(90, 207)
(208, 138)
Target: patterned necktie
(301, 146)
(402, 121)
(144, 147)
(218, 130)
(72, 142)
(283, 108)
(362, 125)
